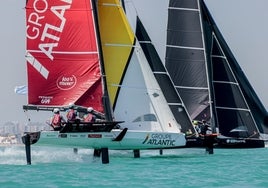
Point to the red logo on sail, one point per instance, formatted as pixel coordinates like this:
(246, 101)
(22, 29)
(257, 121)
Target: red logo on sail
(66, 82)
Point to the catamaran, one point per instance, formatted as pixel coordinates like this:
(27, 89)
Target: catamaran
(204, 71)
(215, 89)
(85, 53)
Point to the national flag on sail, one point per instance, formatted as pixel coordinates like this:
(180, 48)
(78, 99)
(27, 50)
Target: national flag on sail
(21, 90)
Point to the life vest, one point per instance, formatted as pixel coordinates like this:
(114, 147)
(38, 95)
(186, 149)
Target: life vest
(89, 118)
(71, 115)
(56, 121)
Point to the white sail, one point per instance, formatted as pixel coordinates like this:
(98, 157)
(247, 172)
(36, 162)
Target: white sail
(141, 102)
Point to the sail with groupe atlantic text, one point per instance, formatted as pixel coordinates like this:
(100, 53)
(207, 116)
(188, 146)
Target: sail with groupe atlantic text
(63, 62)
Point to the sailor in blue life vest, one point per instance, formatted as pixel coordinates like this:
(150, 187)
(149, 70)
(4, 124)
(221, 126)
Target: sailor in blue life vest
(57, 121)
(71, 113)
(89, 117)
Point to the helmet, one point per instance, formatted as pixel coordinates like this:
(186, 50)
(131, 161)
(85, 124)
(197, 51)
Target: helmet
(89, 109)
(71, 105)
(195, 122)
(56, 110)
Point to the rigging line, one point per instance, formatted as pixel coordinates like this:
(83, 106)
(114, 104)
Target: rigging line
(27, 115)
(132, 4)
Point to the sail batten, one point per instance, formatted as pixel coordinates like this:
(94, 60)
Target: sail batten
(198, 88)
(185, 47)
(67, 52)
(229, 108)
(187, 9)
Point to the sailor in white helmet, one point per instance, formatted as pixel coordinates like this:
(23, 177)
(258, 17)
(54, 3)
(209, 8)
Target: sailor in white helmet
(89, 116)
(71, 113)
(57, 120)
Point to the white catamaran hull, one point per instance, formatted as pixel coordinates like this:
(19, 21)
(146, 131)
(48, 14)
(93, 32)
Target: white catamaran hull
(131, 140)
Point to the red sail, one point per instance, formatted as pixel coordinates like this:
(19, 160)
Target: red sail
(62, 54)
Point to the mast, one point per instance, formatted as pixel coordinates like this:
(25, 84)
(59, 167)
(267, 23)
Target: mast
(106, 101)
(213, 114)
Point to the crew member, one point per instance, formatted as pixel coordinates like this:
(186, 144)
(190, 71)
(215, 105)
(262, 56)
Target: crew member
(204, 128)
(197, 126)
(71, 114)
(89, 117)
(57, 121)
(201, 127)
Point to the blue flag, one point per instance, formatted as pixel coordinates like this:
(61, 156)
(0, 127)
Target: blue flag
(21, 90)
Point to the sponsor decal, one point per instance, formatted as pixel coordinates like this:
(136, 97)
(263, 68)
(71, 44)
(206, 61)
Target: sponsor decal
(94, 136)
(233, 141)
(63, 135)
(73, 135)
(45, 99)
(66, 82)
(51, 135)
(159, 139)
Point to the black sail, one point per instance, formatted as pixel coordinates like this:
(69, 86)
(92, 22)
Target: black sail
(245, 108)
(234, 117)
(257, 110)
(186, 57)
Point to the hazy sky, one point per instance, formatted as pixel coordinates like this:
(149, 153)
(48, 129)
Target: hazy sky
(243, 23)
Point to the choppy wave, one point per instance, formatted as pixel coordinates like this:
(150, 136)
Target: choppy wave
(61, 167)
(15, 154)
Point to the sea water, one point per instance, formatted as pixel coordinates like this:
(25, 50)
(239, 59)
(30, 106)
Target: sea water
(61, 167)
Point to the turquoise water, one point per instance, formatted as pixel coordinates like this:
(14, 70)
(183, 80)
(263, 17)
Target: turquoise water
(56, 167)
